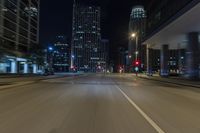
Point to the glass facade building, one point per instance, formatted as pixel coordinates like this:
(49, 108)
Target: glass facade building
(86, 38)
(61, 55)
(19, 32)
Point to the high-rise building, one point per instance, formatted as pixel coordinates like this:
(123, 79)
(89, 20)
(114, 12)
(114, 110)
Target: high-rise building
(61, 54)
(136, 27)
(86, 37)
(19, 35)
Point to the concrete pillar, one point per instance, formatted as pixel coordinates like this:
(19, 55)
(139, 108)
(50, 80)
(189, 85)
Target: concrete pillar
(181, 60)
(192, 56)
(25, 68)
(34, 68)
(149, 52)
(164, 59)
(14, 67)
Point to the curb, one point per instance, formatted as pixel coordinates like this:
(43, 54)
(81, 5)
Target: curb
(32, 82)
(16, 85)
(182, 84)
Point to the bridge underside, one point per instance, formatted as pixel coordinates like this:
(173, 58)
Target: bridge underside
(182, 33)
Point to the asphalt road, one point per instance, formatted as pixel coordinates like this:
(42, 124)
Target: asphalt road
(100, 104)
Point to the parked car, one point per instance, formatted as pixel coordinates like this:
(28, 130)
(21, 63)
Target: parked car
(48, 71)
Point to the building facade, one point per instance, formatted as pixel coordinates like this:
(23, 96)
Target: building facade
(86, 37)
(61, 55)
(19, 35)
(160, 12)
(136, 26)
(175, 62)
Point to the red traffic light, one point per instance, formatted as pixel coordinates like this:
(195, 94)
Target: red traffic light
(136, 63)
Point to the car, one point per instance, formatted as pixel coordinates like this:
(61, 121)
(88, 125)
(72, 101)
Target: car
(48, 71)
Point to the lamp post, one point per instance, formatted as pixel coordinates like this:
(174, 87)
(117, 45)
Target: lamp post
(134, 35)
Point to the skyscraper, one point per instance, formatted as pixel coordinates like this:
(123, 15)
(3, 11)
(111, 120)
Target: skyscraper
(137, 27)
(61, 55)
(86, 37)
(19, 35)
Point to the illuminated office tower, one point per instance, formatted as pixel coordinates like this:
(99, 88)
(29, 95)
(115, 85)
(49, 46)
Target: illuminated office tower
(19, 35)
(86, 38)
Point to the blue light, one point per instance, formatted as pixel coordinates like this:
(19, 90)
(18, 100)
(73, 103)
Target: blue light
(73, 56)
(50, 48)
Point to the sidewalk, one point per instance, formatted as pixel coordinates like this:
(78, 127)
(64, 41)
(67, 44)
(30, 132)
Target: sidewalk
(9, 81)
(15, 84)
(172, 80)
(18, 75)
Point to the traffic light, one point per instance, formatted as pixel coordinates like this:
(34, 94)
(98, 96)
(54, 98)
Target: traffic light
(136, 63)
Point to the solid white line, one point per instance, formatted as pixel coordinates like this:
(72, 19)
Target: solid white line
(150, 121)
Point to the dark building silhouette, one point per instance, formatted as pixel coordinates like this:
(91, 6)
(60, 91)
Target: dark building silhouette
(104, 54)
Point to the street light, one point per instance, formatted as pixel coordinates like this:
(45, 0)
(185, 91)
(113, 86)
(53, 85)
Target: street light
(50, 48)
(134, 35)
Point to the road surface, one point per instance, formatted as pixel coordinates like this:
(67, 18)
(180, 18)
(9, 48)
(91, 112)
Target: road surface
(100, 104)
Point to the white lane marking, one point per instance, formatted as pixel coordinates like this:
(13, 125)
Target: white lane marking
(150, 121)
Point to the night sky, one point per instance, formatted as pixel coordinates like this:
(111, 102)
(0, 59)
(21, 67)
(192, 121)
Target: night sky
(56, 19)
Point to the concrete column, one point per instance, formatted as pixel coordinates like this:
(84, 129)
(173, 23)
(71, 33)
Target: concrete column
(164, 59)
(192, 56)
(14, 67)
(149, 52)
(34, 68)
(25, 68)
(181, 60)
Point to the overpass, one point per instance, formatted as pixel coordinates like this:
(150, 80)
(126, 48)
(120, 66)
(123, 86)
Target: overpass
(180, 32)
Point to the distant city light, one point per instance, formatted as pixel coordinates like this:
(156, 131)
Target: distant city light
(50, 48)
